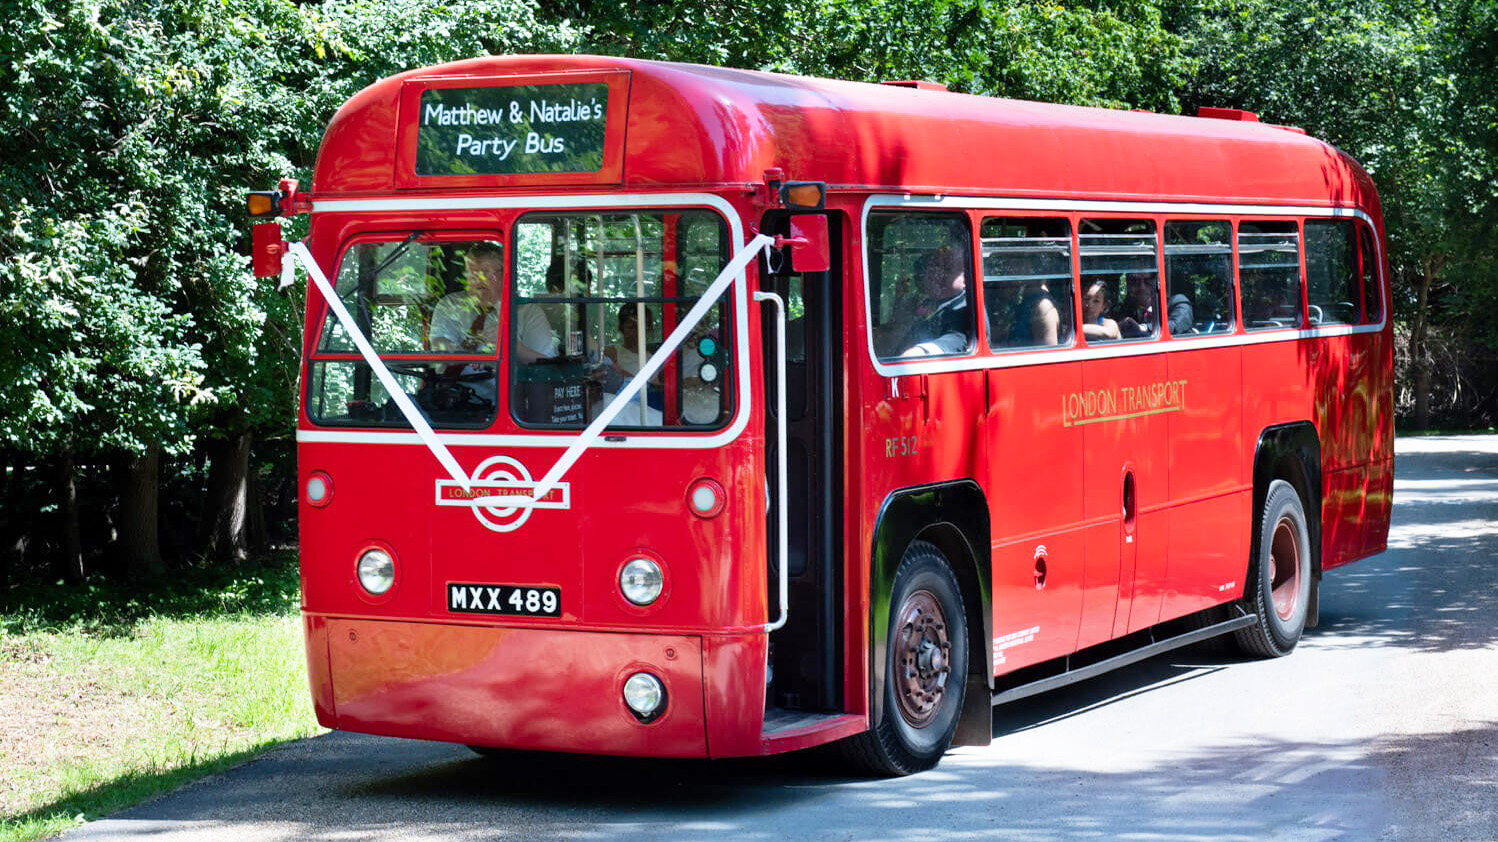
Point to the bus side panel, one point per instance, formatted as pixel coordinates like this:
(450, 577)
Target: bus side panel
(1210, 501)
(1275, 391)
(1033, 478)
(318, 675)
(1128, 439)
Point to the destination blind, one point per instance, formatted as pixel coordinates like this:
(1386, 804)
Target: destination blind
(515, 129)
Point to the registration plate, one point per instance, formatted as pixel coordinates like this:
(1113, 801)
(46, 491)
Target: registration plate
(520, 600)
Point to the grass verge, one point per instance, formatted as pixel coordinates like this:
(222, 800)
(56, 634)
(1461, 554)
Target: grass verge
(110, 695)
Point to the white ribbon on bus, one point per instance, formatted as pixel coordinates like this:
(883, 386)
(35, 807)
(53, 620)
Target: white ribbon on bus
(589, 435)
(584, 440)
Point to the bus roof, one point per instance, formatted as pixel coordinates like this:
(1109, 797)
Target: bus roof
(700, 127)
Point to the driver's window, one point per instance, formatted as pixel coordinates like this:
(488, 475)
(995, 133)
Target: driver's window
(429, 308)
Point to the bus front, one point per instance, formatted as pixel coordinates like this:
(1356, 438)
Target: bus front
(533, 504)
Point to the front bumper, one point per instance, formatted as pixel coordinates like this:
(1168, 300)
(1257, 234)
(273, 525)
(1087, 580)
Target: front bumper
(554, 690)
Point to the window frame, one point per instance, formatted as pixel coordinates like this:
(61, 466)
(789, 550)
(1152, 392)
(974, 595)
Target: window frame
(727, 340)
(314, 354)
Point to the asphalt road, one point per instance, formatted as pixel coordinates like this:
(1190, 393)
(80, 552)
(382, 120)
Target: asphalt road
(1383, 725)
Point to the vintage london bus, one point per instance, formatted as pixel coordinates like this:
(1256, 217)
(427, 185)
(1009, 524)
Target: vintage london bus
(681, 411)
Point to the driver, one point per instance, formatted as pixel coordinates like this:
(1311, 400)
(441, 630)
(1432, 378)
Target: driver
(467, 321)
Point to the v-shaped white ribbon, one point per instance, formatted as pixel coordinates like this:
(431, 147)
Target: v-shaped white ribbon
(584, 440)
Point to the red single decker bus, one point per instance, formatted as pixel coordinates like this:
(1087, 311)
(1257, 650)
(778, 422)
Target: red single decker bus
(682, 411)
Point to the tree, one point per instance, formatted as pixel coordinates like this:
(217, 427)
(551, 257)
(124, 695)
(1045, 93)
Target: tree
(1379, 81)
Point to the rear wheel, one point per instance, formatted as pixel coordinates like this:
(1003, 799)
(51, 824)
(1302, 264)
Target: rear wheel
(925, 669)
(1279, 592)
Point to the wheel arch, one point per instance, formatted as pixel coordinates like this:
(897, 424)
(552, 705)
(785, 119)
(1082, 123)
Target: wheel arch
(954, 517)
(1290, 452)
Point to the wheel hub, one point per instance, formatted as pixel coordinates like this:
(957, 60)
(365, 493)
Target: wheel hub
(1284, 555)
(922, 657)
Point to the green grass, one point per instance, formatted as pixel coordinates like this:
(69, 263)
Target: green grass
(110, 695)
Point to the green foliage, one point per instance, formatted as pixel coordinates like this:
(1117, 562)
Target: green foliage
(104, 609)
(132, 129)
(1109, 54)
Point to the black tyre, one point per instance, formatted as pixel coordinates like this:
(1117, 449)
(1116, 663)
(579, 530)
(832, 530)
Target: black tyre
(492, 753)
(925, 669)
(1279, 588)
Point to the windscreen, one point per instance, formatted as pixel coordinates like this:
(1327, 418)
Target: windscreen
(594, 296)
(429, 309)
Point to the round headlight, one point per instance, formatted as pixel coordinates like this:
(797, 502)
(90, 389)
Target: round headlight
(645, 695)
(641, 581)
(376, 571)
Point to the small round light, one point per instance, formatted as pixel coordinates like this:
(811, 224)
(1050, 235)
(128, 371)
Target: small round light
(376, 571)
(319, 489)
(641, 581)
(707, 373)
(645, 695)
(707, 346)
(706, 498)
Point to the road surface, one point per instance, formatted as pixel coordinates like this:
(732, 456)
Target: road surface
(1383, 725)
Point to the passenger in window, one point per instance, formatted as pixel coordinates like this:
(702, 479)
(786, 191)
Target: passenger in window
(1037, 319)
(467, 321)
(1181, 316)
(1097, 327)
(535, 339)
(937, 322)
(1136, 316)
(624, 361)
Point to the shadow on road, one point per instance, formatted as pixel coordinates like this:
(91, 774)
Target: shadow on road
(1231, 792)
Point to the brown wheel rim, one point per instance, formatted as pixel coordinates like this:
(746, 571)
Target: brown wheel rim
(923, 652)
(1284, 565)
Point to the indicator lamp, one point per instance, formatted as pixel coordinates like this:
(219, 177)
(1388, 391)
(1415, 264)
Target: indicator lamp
(319, 489)
(706, 498)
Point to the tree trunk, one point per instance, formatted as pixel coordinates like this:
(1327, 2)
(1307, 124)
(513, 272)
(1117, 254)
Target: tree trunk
(70, 561)
(1420, 374)
(12, 533)
(223, 533)
(256, 537)
(140, 542)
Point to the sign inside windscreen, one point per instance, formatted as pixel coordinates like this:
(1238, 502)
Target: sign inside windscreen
(513, 129)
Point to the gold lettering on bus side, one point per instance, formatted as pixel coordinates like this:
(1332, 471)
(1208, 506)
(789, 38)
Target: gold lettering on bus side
(900, 446)
(1117, 403)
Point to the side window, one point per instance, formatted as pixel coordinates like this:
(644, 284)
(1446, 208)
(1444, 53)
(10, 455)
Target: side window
(1333, 293)
(1120, 279)
(1269, 274)
(1373, 294)
(919, 294)
(1027, 284)
(1198, 277)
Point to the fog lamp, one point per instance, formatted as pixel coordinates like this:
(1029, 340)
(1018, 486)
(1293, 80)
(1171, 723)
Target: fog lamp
(641, 581)
(376, 571)
(645, 695)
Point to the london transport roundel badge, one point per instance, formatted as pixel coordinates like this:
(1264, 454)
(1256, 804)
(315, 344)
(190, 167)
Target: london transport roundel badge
(501, 476)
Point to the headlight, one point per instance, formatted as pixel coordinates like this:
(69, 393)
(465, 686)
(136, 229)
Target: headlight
(641, 581)
(645, 695)
(376, 571)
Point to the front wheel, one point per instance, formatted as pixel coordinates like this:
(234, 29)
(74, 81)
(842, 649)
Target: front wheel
(1279, 592)
(925, 669)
